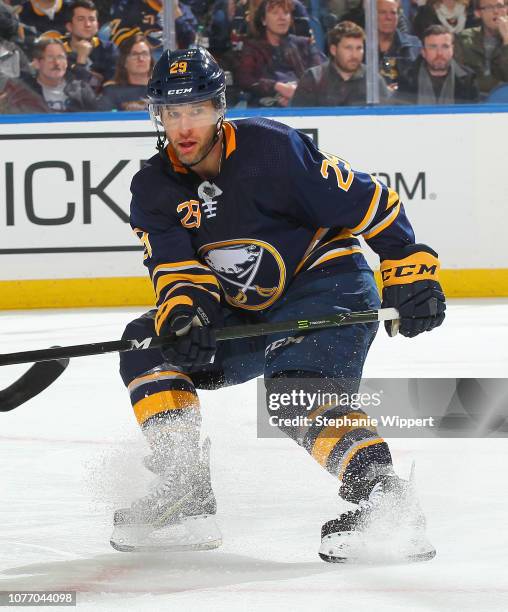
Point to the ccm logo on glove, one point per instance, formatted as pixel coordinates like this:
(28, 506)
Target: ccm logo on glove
(415, 267)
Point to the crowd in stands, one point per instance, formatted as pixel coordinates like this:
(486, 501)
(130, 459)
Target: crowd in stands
(81, 55)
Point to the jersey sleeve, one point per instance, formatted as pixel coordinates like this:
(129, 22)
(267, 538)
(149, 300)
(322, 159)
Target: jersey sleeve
(174, 270)
(330, 194)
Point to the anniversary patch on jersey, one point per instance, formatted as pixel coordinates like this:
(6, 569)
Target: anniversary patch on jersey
(251, 272)
(209, 192)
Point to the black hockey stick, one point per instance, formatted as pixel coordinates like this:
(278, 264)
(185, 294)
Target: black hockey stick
(224, 333)
(37, 378)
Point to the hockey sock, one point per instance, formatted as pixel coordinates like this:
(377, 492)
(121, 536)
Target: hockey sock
(337, 435)
(166, 406)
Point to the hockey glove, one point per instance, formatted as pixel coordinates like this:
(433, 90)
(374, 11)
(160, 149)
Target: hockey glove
(410, 284)
(190, 326)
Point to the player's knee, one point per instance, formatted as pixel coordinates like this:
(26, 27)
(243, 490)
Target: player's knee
(287, 407)
(135, 363)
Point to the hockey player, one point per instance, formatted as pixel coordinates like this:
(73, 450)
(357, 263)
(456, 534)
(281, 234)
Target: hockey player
(249, 222)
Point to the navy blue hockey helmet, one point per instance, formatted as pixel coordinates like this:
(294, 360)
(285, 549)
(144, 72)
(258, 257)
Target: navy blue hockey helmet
(185, 76)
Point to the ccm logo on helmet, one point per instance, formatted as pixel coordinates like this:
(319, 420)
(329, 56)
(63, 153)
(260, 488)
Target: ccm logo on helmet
(172, 92)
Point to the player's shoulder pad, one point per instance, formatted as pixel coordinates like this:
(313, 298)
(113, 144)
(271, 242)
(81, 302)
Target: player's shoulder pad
(151, 186)
(262, 127)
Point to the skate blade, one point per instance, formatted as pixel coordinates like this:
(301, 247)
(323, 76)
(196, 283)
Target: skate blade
(191, 534)
(352, 548)
(169, 548)
(416, 558)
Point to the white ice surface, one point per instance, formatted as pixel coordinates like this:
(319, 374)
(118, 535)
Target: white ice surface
(72, 454)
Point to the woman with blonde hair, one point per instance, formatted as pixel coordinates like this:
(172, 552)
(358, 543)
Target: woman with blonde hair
(452, 14)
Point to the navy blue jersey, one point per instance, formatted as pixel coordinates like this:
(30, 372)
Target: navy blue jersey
(129, 17)
(102, 60)
(30, 15)
(278, 208)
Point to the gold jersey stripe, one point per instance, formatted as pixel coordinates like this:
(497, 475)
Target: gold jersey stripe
(167, 307)
(179, 265)
(199, 279)
(335, 254)
(372, 210)
(393, 198)
(377, 229)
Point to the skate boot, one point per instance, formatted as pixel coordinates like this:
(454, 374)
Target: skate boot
(388, 526)
(178, 515)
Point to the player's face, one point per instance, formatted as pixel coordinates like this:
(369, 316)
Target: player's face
(387, 16)
(348, 54)
(490, 11)
(438, 52)
(53, 64)
(137, 62)
(84, 23)
(190, 129)
(277, 20)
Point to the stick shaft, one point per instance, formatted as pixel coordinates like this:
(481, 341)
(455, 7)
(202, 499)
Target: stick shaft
(224, 333)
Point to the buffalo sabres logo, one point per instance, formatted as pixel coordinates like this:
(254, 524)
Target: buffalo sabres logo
(251, 272)
(208, 192)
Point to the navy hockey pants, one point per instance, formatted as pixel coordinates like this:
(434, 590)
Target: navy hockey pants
(331, 353)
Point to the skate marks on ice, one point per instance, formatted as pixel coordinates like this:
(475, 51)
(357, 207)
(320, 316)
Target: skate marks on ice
(154, 573)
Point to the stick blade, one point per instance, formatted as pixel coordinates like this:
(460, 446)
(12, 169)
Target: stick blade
(37, 378)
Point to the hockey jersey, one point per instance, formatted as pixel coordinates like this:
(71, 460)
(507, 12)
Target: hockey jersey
(48, 26)
(128, 17)
(279, 207)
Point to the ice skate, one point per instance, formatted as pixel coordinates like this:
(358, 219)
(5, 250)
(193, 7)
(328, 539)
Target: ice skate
(178, 515)
(388, 526)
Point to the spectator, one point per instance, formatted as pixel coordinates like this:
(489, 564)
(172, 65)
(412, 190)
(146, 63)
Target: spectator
(92, 60)
(15, 95)
(46, 17)
(128, 89)
(13, 61)
(356, 14)
(338, 8)
(342, 80)
(272, 63)
(130, 17)
(59, 90)
(219, 26)
(485, 49)
(244, 19)
(451, 14)
(436, 78)
(397, 50)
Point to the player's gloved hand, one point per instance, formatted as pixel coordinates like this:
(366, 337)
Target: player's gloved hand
(411, 285)
(191, 328)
